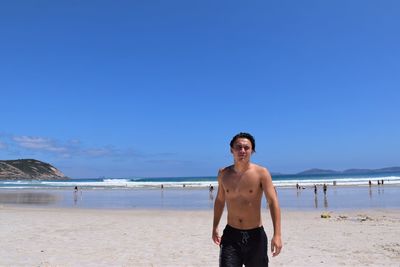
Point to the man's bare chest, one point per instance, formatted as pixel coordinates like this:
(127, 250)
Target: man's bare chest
(241, 186)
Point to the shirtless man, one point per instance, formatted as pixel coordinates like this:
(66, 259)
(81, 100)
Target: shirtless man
(241, 187)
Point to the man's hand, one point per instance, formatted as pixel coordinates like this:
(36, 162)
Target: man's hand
(215, 237)
(276, 245)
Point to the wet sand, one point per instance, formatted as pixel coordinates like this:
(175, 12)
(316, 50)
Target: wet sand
(336, 198)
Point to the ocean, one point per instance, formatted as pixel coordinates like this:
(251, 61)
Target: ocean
(198, 182)
(185, 193)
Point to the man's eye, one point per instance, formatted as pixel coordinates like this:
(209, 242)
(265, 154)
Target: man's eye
(244, 147)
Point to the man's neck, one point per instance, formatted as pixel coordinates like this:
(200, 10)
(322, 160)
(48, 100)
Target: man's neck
(241, 167)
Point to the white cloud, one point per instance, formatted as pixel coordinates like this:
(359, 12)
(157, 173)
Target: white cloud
(39, 143)
(71, 148)
(97, 152)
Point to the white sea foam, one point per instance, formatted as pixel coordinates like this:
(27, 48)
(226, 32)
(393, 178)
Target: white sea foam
(339, 181)
(193, 182)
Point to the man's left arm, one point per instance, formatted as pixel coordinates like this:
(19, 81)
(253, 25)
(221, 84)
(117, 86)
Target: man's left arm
(273, 203)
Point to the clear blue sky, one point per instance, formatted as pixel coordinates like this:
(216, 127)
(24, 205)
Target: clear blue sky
(158, 88)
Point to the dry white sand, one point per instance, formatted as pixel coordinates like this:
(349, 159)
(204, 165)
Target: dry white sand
(78, 237)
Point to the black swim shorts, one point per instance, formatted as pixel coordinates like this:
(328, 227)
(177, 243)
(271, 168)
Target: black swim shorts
(248, 247)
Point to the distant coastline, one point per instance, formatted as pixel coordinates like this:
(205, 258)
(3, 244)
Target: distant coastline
(349, 171)
(32, 169)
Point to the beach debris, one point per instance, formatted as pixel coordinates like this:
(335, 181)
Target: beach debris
(393, 248)
(366, 218)
(325, 215)
(363, 218)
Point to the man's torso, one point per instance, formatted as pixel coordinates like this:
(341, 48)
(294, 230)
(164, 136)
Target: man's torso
(243, 193)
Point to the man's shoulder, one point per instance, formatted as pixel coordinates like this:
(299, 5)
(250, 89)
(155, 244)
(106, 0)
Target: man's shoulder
(262, 171)
(224, 169)
(260, 168)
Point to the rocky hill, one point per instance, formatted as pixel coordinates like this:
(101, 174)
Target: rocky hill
(317, 171)
(382, 170)
(29, 169)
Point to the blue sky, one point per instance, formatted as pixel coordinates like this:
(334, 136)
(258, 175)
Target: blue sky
(158, 88)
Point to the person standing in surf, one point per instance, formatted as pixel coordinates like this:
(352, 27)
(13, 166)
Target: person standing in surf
(241, 187)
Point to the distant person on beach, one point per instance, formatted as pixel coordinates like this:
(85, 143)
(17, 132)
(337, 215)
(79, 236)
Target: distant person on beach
(315, 189)
(241, 187)
(369, 183)
(211, 190)
(325, 187)
(75, 194)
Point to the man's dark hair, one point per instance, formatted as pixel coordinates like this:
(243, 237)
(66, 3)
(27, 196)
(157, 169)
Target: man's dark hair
(247, 136)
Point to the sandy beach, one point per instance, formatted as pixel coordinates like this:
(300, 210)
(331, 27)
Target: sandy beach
(32, 236)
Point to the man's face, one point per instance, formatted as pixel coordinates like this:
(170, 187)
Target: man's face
(242, 149)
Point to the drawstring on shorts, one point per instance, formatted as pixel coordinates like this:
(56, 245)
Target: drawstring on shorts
(245, 237)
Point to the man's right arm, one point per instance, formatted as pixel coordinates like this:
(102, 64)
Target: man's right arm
(219, 205)
(273, 203)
